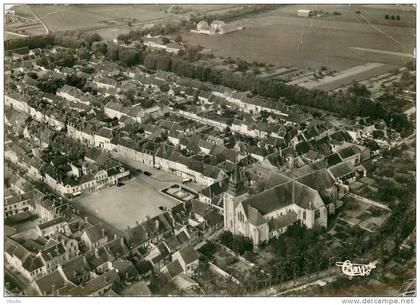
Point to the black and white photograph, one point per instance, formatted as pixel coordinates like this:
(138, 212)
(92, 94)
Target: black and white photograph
(209, 150)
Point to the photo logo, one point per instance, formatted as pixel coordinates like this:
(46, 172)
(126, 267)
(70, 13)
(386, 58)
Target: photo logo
(350, 269)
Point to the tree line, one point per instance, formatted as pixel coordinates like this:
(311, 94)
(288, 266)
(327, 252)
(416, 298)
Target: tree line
(354, 102)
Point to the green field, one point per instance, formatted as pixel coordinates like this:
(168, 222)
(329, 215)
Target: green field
(279, 37)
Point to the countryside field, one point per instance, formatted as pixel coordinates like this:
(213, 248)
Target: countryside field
(282, 38)
(107, 20)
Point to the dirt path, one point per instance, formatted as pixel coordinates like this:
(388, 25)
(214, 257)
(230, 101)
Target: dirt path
(47, 30)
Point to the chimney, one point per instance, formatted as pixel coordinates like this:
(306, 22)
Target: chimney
(96, 253)
(86, 219)
(115, 236)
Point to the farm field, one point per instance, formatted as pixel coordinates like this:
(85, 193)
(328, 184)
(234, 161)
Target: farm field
(282, 38)
(107, 20)
(345, 77)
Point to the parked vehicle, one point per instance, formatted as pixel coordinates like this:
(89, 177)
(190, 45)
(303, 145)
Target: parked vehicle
(186, 180)
(147, 173)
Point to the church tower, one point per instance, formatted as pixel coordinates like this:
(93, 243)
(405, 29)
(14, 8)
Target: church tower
(236, 187)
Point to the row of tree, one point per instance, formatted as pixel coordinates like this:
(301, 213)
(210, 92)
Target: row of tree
(32, 42)
(354, 102)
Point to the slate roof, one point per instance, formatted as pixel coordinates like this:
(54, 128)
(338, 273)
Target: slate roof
(137, 289)
(51, 223)
(76, 267)
(341, 169)
(32, 263)
(95, 284)
(174, 268)
(281, 196)
(51, 283)
(105, 132)
(188, 254)
(94, 233)
(348, 151)
(320, 180)
(53, 252)
(333, 159)
(117, 247)
(282, 221)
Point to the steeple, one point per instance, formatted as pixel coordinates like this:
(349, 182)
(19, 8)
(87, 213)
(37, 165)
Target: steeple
(236, 182)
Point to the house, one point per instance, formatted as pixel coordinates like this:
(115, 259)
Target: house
(18, 204)
(19, 258)
(150, 231)
(97, 286)
(173, 269)
(343, 172)
(137, 289)
(94, 236)
(49, 228)
(103, 138)
(52, 256)
(188, 258)
(350, 153)
(125, 269)
(49, 285)
(76, 270)
(304, 13)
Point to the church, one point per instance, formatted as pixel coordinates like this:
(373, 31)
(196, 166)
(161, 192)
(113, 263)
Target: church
(268, 213)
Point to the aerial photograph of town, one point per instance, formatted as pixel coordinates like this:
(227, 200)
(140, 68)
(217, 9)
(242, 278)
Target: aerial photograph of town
(210, 150)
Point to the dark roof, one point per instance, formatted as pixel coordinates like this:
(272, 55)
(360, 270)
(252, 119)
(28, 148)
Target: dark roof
(105, 132)
(320, 180)
(348, 151)
(174, 268)
(137, 289)
(95, 284)
(76, 267)
(117, 248)
(95, 232)
(341, 169)
(281, 196)
(282, 221)
(52, 252)
(51, 223)
(188, 254)
(32, 263)
(333, 159)
(51, 283)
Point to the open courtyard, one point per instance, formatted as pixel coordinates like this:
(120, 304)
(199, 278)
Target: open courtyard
(125, 205)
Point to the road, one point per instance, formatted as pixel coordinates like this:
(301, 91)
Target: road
(47, 30)
(15, 34)
(384, 52)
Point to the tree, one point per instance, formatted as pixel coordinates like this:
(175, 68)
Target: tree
(178, 39)
(99, 48)
(392, 17)
(75, 81)
(113, 52)
(129, 56)
(386, 16)
(130, 24)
